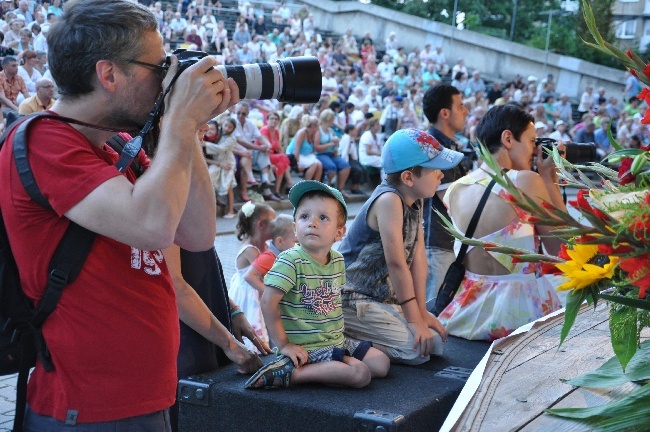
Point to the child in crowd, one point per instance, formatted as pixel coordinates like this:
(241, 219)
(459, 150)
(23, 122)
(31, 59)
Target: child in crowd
(349, 152)
(253, 227)
(283, 237)
(302, 307)
(384, 297)
(221, 160)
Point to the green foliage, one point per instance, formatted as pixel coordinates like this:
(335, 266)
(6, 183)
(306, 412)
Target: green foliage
(622, 324)
(611, 374)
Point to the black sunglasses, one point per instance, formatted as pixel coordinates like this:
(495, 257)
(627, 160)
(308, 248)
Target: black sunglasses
(161, 70)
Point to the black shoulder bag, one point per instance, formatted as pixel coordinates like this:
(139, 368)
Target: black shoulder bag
(456, 271)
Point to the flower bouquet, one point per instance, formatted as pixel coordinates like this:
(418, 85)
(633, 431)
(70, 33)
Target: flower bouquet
(606, 256)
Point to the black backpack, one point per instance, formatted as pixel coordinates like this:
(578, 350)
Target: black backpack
(21, 340)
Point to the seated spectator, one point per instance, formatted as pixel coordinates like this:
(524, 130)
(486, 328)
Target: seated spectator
(11, 84)
(259, 28)
(349, 152)
(495, 92)
(460, 81)
(541, 129)
(586, 134)
(220, 37)
(560, 132)
(564, 109)
(285, 12)
(42, 100)
(391, 44)
(329, 84)
(301, 147)
(603, 146)
(28, 71)
(349, 44)
(370, 149)
(459, 67)
(374, 99)
(476, 83)
(296, 25)
(290, 126)
(430, 77)
(241, 36)
(391, 116)
(517, 83)
(441, 61)
(326, 144)
(177, 26)
(279, 159)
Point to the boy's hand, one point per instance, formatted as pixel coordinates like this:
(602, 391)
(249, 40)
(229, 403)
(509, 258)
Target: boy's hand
(296, 353)
(433, 323)
(422, 336)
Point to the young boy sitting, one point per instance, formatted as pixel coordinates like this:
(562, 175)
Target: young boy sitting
(386, 265)
(302, 305)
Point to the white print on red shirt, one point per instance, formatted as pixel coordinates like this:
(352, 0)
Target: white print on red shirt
(147, 261)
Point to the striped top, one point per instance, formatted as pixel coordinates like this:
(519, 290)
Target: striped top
(311, 306)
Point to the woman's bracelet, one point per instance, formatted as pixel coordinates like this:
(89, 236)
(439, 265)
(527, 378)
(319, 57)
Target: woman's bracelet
(406, 301)
(235, 311)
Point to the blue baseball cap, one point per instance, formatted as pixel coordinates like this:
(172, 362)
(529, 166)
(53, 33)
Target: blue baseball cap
(408, 148)
(302, 187)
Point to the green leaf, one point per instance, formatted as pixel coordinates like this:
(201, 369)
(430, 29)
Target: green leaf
(611, 374)
(627, 152)
(623, 325)
(626, 301)
(631, 412)
(573, 301)
(612, 141)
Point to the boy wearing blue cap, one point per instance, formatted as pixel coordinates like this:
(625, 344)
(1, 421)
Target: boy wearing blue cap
(302, 302)
(386, 265)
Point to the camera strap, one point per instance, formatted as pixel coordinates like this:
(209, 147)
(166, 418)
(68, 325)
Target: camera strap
(132, 148)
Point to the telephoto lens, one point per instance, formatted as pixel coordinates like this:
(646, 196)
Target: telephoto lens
(575, 153)
(293, 79)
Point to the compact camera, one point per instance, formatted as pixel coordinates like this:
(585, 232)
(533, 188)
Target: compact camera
(294, 79)
(575, 153)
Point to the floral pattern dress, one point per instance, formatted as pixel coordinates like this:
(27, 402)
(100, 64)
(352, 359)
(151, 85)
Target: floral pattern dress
(491, 307)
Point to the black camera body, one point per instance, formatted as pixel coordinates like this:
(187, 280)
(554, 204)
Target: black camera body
(575, 153)
(294, 79)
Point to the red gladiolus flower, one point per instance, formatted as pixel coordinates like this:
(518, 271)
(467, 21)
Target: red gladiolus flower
(644, 95)
(585, 239)
(633, 72)
(530, 219)
(646, 71)
(581, 202)
(606, 249)
(600, 215)
(624, 174)
(563, 253)
(638, 271)
(647, 198)
(549, 268)
(628, 53)
(646, 117)
(548, 205)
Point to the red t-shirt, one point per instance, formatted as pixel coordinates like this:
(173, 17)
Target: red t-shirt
(114, 334)
(264, 262)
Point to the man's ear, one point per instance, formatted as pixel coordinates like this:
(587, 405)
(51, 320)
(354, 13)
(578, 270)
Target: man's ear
(507, 139)
(106, 74)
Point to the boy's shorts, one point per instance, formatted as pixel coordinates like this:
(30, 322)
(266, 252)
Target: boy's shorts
(350, 348)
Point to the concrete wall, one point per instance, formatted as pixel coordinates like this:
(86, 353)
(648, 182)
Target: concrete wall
(496, 58)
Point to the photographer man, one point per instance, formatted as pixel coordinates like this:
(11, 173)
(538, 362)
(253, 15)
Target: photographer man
(114, 335)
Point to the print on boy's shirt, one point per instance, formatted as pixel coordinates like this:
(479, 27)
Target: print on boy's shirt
(321, 300)
(147, 261)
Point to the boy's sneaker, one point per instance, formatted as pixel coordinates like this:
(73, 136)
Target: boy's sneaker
(273, 375)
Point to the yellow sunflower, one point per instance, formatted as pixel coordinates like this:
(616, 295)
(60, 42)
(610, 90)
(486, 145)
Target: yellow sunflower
(579, 272)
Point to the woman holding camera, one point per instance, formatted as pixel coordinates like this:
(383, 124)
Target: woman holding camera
(498, 294)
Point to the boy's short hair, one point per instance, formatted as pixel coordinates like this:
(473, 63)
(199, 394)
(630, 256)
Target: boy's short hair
(316, 188)
(394, 179)
(281, 226)
(408, 148)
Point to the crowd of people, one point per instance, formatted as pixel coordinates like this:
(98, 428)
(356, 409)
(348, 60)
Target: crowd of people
(337, 317)
(360, 84)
